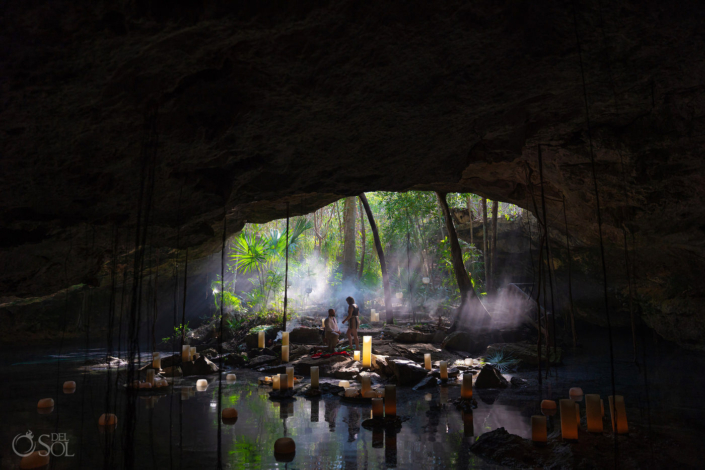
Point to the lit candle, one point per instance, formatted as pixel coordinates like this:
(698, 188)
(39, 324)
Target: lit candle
(69, 387)
(548, 407)
(576, 393)
(377, 408)
(427, 361)
(468, 361)
(285, 353)
(285, 338)
(193, 353)
(356, 355)
(344, 384)
(466, 386)
(366, 351)
(444, 370)
(202, 385)
(539, 433)
(230, 377)
(314, 377)
(621, 414)
(366, 383)
(577, 414)
(351, 392)
(185, 353)
(569, 427)
(150, 376)
(284, 445)
(593, 413)
(107, 419)
(156, 360)
(283, 382)
(229, 413)
(275, 382)
(260, 339)
(390, 400)
(45, 403)
(290, 377)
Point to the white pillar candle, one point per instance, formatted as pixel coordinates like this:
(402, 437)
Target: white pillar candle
(466, 386)
(314, 377)
(356, 355)
(230, 377)
(285, 338)
(193, 353)
(156, 360)
(569, 427)
(427, 361)
(366, 383)
(185, 353)
(576, 393)
(366, 351)
(593, 413)
(444, 370)
(45, 403)
(351, 392)
(390, 400)
(377, 408)
(285, 353)
(539, 434)
(344, 384)
(283, 382)
(150, 377)
(275, 382)
(620, 415)
(290, 376)
(548, 407)
(202, 385)
(260, 339)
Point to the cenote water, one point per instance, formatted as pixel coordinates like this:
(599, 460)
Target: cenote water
(178, 429)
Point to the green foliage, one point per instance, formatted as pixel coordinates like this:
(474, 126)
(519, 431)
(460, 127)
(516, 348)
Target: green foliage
(501, 360)
(178, 331)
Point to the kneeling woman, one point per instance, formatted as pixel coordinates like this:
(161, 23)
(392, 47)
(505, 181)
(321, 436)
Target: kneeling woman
(354, 318)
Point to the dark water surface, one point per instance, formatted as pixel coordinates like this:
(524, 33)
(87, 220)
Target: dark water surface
(176, 433)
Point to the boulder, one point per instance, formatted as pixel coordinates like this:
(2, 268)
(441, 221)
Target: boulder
(173, 371)
(256, 352)
(412, 336)
(235, 360)
(168, 361)
(489, 377)
(517, 382)
(261, 360)
(270, 333)
(304, 335)
(392, 331)
(201, 366)
(303, 365)
(465, 341)
(524, 352)
(407, 372)
(428, 381)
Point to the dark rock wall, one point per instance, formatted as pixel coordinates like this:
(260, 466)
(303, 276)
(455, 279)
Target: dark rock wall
(263, 103)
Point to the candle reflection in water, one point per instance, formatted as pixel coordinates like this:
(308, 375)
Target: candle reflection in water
(377, 438)
(315, 403)
(468, 424)
(390, 447)
(286, 410)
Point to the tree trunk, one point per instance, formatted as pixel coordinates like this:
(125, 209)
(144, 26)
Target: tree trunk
(485, 244)
(494, 243)
(468, 298)
(349, 258)
(382, 264)
(363, 240)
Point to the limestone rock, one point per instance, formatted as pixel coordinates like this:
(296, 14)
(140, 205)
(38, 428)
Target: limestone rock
(201, 366)
(489, 377)
(407, 372)
(303, 335)
(261, 360)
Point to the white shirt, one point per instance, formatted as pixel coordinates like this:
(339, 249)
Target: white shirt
(331, 325)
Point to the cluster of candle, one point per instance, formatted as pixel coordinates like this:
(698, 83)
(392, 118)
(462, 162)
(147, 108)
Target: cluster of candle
(188, 354)
(570, 415)
(374, 315)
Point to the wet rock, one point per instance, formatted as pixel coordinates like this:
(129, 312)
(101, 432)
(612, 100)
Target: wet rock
(347, 373)
(506, 449)
(235, 360)
(489, 377)
(261, 360)
(517, 382)
(524, 352)
(201, 366)
(464, 341)
(257, 352)
(303, 365)
(429, 381)
(303, 335)
(168, 361)
(173, 371)
(412, 336)
(416, 351)
(407, 372)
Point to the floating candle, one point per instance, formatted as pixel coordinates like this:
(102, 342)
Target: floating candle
(186, 353)
(356, 355)
(344, 384)
(314, 377)
(576, 393)
(285, 353)
(156, 361)
(107, 419)
(230, 377)
(150, 377)
(468, 361)
(283, 382)
(229, 413)
(466, 386)
(45, 403)
(145, 385)
(275, 382)
(390, 400)
(285, 338)
(366, 383)
(569, 427)
(284, 445)
(593, 413)
(69, 386)
(35, 460)
(202, 385)
(377, 408)
(548, 407)
(260, 339)
(290, 375)
(366, 351)
(620, 416)
(351, 392)
(539, 433)
(427, 361)
(444, 370)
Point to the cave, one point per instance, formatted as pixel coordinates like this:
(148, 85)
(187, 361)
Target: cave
(143, 140)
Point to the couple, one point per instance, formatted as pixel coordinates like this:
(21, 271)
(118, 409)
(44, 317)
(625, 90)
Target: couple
(331, 326)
